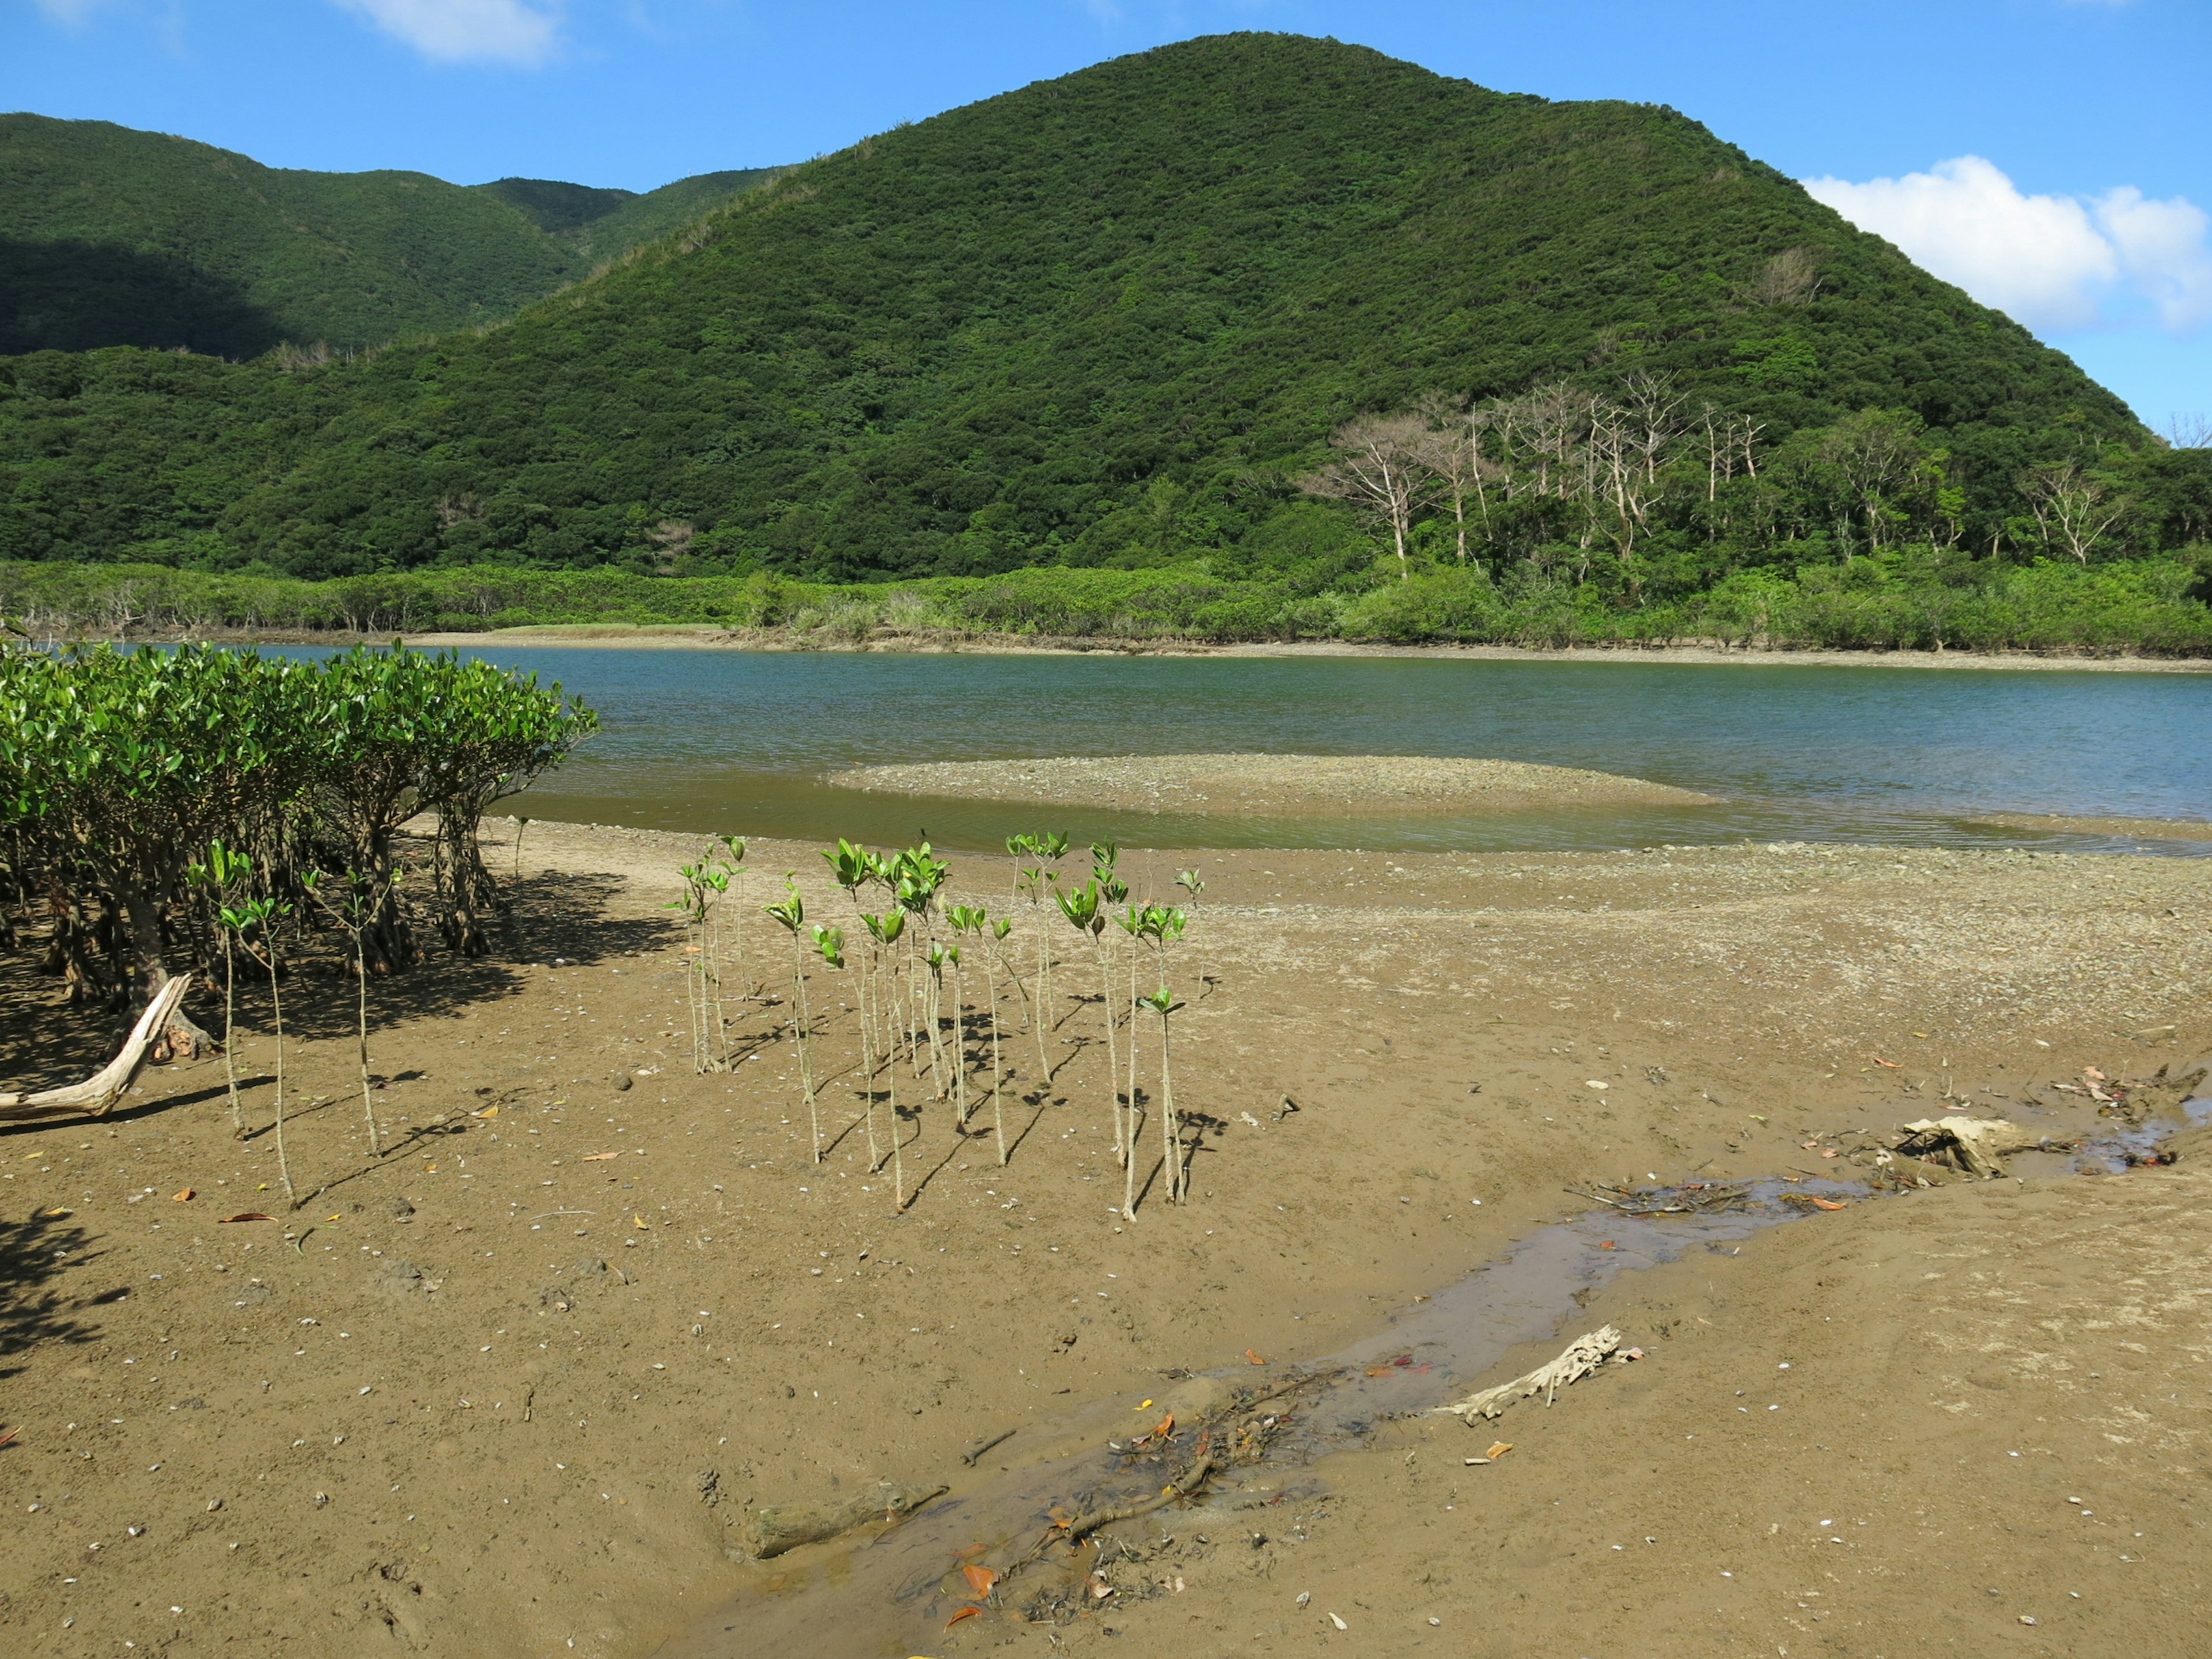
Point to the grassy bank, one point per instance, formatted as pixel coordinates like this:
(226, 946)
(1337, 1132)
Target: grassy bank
(2150, 607)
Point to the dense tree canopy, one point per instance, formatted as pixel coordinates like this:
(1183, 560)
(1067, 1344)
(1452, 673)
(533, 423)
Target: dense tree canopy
(113, 237)
(1111, 319)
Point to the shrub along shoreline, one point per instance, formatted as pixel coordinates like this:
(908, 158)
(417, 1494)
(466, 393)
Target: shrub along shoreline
(2148, 607)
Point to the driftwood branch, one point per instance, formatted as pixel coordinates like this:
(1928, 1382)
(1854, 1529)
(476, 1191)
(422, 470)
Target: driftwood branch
(1583, 1355)
(1977, 1146)
(100, 1091)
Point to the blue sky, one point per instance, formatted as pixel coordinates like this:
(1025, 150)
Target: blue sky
(2051, 156)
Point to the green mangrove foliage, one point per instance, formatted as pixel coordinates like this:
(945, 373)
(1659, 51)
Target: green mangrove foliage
(911, 1012)
(163, 809)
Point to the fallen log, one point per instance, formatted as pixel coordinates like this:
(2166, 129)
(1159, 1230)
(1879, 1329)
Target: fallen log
(787, 1526)
(103, 1088)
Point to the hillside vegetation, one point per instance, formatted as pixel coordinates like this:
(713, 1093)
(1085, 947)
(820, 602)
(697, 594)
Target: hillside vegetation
(114, 237)
(1122, 319)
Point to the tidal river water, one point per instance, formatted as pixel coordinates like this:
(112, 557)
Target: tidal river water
(738, 742)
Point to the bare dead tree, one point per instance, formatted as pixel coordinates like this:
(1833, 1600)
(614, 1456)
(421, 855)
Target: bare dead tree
(1791, 278)
(2190, 431)
(1451, 450)
(1379, 469)
(1872, 453)
(2073, 509)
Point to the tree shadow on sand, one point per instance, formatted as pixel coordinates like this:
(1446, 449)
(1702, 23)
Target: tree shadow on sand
(35, 1310)
(45, 1042)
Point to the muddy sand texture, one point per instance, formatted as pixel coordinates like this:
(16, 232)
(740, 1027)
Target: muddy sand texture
(1262, 785)
(510, 1393)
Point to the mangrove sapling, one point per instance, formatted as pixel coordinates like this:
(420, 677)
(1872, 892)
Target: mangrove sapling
(934, 959)
(919, 876)
(1018, 848)
(963, 919)
(259, 912)
(224, 871)
(1081, 906)
(520, 824)
(998, 1074)
(1190, 881)
(1162, 1001)
(355, 908)
(790, 914)
(883, 932)
(733, 861)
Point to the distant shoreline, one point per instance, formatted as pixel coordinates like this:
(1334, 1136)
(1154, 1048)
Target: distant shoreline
(605, 636)
(602, 636)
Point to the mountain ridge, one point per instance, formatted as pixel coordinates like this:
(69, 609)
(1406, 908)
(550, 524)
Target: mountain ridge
(1107, 319)
(110, 235)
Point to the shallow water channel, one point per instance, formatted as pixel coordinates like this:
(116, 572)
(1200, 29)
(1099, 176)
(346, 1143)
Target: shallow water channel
(738, 742)
(889, 1591)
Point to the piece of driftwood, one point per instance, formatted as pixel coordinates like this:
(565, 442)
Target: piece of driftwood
(787, 1526)
(1583, 1355)
(1974, 1145)
(974, 1452)
(103, 1087)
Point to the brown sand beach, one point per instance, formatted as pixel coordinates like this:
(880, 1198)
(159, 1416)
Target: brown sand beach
(517, 1387)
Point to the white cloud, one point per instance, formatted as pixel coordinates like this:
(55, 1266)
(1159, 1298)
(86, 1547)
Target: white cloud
(466, 31)
(2051, 261)
(2037, 259)
(2165, 246)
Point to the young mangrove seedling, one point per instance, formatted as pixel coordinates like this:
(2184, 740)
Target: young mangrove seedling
(1192, 883)
(733, 865)
(1161, 1002)
(1081, 906)
(963, 919)
(355, 907)
(790, 914)
(883, 931)
(935, 957)
(919, 874)
(224, 871)
(242, 920)
(520, 824)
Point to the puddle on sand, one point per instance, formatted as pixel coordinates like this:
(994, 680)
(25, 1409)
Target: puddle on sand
(890, 1595)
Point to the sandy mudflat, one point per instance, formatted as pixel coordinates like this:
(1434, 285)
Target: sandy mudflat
(2142, 828)
(515, 1383)
(1260, 785)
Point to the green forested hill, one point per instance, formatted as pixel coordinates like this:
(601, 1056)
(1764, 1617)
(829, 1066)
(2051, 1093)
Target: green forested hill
(109, 236)
(1107, 319)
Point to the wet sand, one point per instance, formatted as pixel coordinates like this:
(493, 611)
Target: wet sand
(2142, 828)
(1262, 786)
(547, 1426)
